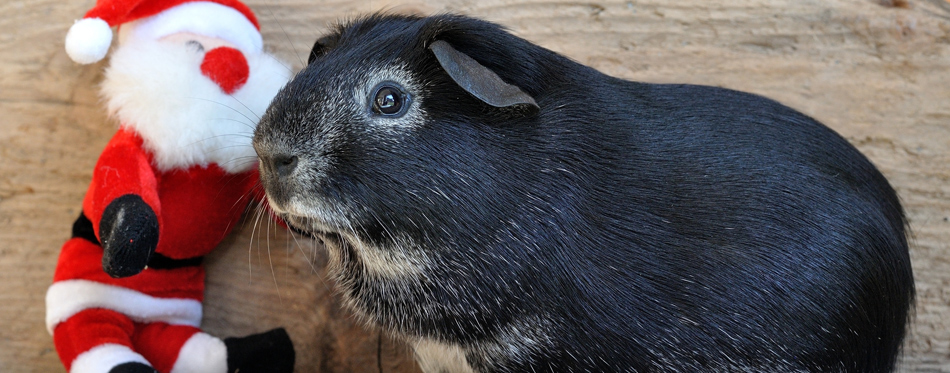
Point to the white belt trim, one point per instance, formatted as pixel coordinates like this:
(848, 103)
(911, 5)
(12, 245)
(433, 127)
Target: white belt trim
(67, 298)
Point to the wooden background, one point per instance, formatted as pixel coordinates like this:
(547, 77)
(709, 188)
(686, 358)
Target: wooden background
(876, 71)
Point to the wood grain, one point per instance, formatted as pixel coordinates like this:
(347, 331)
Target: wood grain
(877, 72)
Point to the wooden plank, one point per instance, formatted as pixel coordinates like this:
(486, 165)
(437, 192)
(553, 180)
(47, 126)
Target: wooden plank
(877, 73)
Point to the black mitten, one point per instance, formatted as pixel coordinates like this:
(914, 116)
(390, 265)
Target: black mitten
(128, 232)
(268, 352)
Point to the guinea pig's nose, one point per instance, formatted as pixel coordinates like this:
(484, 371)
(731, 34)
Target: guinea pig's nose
(285, 164)
(227, 67)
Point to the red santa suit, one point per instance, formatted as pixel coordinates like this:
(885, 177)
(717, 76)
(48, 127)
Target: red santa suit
(196, 208)
(176, 178)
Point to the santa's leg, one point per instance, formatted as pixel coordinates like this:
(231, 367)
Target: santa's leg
(181, 348)
(96, 340)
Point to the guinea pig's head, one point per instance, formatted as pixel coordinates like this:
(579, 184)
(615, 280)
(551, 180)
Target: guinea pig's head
(398, 126)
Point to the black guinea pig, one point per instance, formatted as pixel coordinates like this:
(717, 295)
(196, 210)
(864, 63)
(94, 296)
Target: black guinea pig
(504, 209)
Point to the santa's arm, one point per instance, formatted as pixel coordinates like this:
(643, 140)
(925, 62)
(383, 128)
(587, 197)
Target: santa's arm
(123, 205)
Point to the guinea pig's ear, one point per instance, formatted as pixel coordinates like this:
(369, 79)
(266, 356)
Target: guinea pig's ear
(480, 81)
(321, 46)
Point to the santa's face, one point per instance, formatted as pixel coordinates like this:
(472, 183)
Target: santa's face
(208, 42)
(190, 99)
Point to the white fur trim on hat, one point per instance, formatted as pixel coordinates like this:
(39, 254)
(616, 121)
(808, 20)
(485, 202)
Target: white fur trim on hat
(104, 357)
(202, 353)
(66, 298)
(88, 40)
(202, 18)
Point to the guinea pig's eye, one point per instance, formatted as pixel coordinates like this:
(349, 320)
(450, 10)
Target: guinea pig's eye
(389, 99)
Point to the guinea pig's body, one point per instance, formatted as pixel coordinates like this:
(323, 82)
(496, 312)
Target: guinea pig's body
(581, 222)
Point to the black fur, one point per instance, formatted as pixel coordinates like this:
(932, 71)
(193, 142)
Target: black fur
(641, 227)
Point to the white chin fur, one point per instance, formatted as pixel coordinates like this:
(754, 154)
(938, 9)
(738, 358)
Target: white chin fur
(157, 90)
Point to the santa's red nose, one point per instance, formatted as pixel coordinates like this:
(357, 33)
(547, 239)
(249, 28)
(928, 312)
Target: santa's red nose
(227, 67)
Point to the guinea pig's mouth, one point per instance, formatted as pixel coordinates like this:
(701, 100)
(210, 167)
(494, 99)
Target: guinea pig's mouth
(311, 227)
(304, 224)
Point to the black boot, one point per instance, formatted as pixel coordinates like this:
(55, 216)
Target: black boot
(132, 367)
(268, 352)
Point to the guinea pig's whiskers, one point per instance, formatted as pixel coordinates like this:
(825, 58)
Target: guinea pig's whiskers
(229, 147)
(211, 138)
(313, 254)
(286, 36)
(244, 135)
(251, 125)
(250, 248)
(250, 208)
(242, 113)
(280, 62)
(270, 260)
(249, 110)
(240, 162)
(260, 210)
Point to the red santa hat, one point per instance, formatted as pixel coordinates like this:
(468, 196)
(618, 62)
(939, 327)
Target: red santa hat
(88, 39)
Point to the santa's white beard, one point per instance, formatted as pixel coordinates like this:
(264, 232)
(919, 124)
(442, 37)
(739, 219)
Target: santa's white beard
(157, 90)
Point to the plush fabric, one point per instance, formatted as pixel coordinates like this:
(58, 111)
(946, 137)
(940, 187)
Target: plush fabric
(196, 208)
(170, 185)
(88, 39)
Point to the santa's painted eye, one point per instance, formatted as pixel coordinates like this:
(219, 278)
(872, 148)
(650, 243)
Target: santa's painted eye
(196, 45)
(388, 99)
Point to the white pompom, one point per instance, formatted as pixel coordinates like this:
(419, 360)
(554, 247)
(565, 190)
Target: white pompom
(88, 40)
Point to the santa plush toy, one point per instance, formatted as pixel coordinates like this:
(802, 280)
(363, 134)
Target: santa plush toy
(187, 82)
